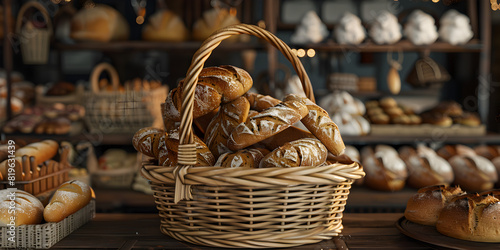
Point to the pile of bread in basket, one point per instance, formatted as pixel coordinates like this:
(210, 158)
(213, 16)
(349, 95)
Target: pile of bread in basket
(238, 128)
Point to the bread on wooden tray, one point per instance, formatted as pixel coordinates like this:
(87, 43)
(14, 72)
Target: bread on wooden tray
(425, 206)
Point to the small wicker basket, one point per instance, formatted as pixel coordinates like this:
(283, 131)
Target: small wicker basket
(34, 42)
(247, 207)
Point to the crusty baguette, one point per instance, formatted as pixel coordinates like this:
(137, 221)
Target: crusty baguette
(70, 197)
(425, 206)
(242, 158)
(266, 124)
(260, 102)
(204, 156)
(229, 116)
(28, 209)
(319, 123)
(302, 152)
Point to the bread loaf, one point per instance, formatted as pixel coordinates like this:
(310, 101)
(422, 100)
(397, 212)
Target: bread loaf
(449, 151)
(288, 135)
(202, 122)
(211, 21)
(425, 167)
(70, 197)
(42, 151)
(266, 124)
(147, 141)
(25, 209)
(472, 217)
(302, 152)
(215, 85)
(204, 156)
(473, 172)
(101, 23)
(166, 26)
(229, 116)
(319, 123)
(487, 151)
(260, 102)
(249, 158)
(425, 206)
(384, 169)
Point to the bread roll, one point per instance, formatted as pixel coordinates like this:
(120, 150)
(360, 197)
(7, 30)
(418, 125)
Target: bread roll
(449, 151)
(303, 152)
(206, 100)
(473, 173)
(147, 140)
(204, 156)
(319, 123)
(70, 197)
(425, 206)
(472, 217)
(437, 119)
(288, 135)
(101, 23)
(28, 209)
(266, 124)
(487, 151)
(249, 158)
(202, 122)
(468, 119)
(384, 169)
(165, 26)
(388, 102)
(260, 102)
(229, 116)
(425, 167)
(449, 108)
(211, 21)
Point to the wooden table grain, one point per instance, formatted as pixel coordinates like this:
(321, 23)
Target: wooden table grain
(142, 231)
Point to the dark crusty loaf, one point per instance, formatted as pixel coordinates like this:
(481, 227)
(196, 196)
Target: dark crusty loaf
(260, 102)
(229, 116)
(204, 156)
(302, 152)
(241, 158)
(319, 123)
(266, 124)
(288, 135)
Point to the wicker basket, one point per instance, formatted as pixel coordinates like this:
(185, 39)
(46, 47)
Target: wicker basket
(120, 111)
(247, 207)
(34, 42)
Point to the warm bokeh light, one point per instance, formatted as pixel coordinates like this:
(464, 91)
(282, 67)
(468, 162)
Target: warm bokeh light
(139, 20)
(301, 52)
(294, 51)
(311, 52)
(435, 1)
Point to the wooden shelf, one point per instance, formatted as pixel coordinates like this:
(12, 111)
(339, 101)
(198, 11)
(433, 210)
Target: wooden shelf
(474, 46)
(145, 45)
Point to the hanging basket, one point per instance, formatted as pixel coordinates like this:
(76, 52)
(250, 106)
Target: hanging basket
(247, 207)
(34, 42)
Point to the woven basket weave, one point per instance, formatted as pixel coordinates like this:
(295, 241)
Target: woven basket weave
(247, 207)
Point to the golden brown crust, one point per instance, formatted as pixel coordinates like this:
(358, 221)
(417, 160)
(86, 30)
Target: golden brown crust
(260, 102)
(146, 140)
(421, 172)
(204, 156)
(379, 176)
(288, 135)
(302, 152)
(249, 158)
(437, 119)
(266, 124)
(28, 209)
(473, 173)
(70, 197)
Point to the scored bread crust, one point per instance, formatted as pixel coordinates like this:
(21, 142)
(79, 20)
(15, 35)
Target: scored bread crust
(266, 124)
(473, 173)
(319, 123)
(384, 169)
(146, 140)
(288, 135)
(229, 116)
(203, 155)
(28, 209)
(302, 152)
(242, 158)
(425, 206)
(70, 197)
(260, 102)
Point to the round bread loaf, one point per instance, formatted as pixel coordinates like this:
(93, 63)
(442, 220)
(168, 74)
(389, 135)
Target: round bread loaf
(70, 197)
(25, 208)
(302, 152)
(165, 25)
(249, 158)
(101, 23)
(425, 206)
(146, 140)
(472, 217)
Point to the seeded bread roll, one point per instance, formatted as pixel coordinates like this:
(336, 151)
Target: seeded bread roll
(229, 116)
(70, 197)
(260, 102)
(425, 206)
(472, 217)
(425, 167)
(266, 124)
(473, 173)
(319, 123)
(28, 209)
(215, 85)
(384, 169)
(204, 156)
(303, 152)
(242, 158)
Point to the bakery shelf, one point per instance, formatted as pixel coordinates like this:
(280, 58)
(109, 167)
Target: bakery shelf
(145, 45)
(489, 138)
(403, 45)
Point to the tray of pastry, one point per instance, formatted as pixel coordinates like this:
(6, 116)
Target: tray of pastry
(429, 234)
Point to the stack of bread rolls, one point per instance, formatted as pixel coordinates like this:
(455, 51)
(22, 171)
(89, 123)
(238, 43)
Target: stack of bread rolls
(455, 213)
(68, 198)
(388, 111)
(384, 168)
(237, 128)
(447, 113)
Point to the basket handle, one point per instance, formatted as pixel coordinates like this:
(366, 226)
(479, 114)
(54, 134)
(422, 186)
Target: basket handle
(96, 72)
(204, 52)
(39, 7)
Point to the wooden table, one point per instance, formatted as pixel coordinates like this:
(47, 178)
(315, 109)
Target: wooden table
(134, 231)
